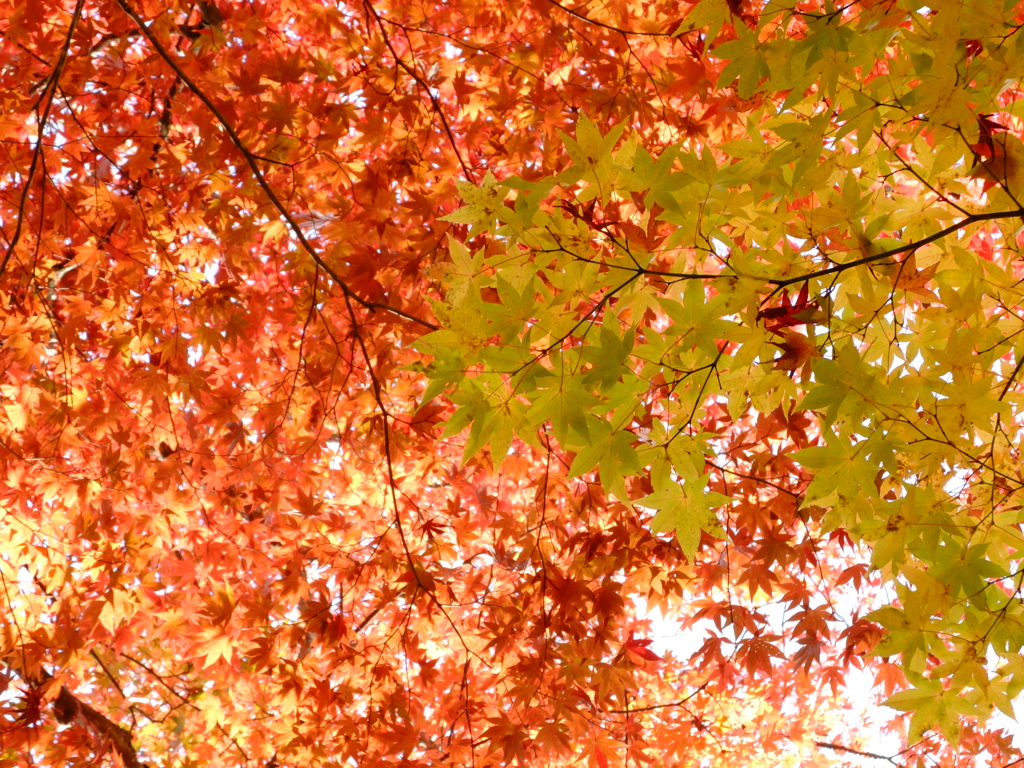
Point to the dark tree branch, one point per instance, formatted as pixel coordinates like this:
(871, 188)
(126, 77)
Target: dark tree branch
(68, 708)
(783, 283)
(609, 27)
(912, 246)
(250, 160)
(850, 750)
(42, 116)
(424, 87)
(651, 707)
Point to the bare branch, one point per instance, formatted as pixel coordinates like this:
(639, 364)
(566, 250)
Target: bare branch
(850, 750)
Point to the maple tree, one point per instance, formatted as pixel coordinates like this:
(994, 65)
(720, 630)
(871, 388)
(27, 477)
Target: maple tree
(372, 371)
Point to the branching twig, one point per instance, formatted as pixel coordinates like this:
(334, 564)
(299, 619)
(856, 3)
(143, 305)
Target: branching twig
(912, 246)
(261, 180)
(651, 707)
(68, 708)
(603, 25)
(425, 87)
(49, 94)
(852, 751)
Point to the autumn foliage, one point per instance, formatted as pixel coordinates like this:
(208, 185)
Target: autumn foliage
(537, 383)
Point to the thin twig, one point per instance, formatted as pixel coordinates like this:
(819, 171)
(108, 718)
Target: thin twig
(912, 246)
(47, 99)
(261, 180)
(107, 672)
(609, 27)
(651, 707)
(841, 748)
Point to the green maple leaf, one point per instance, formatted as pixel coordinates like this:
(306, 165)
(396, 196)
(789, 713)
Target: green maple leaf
(591, 152)
(613, 453)
(696, 319)
(483, 204)
(687, 508)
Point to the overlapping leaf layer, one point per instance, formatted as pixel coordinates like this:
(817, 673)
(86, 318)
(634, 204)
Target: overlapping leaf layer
(373, 371)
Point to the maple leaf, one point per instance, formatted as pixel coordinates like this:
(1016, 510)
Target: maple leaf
(638, 652)
(797, 350)
(788, 313)
(686, 508)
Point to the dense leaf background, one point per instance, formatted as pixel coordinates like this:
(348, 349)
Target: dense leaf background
(374, 374)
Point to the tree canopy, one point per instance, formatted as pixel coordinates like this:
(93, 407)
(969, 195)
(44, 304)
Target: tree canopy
(379, 379)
